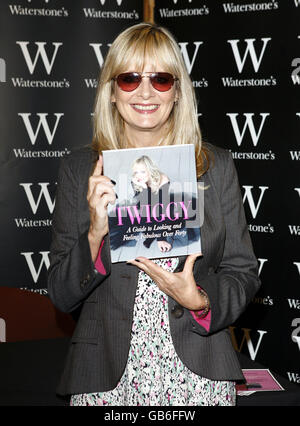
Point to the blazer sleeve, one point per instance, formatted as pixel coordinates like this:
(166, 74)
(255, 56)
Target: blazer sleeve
(233, 284)
(71, 275)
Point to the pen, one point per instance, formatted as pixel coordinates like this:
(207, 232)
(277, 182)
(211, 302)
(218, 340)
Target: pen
(253, 385)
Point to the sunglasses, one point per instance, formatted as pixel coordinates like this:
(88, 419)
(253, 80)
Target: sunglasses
(129, 81)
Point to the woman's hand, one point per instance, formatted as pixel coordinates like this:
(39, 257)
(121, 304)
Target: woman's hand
(164, 246)
(181, 286)
(140, 183)
(100, 193)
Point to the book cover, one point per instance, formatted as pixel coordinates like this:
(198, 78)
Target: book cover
(156, 213)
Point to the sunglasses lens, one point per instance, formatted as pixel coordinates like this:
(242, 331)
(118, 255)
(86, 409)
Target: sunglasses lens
(128, 81)
(162, 81)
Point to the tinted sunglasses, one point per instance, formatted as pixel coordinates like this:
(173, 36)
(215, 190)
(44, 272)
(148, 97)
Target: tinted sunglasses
(129, 81)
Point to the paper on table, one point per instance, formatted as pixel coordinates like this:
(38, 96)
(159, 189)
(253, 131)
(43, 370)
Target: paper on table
(263, 377)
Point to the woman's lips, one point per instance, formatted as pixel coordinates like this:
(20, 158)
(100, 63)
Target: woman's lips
(145, 109)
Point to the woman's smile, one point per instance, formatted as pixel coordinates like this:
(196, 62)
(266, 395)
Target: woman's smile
(145, 108)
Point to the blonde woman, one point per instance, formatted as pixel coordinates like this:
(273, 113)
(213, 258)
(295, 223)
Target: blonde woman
(122, 352)
(145, 174)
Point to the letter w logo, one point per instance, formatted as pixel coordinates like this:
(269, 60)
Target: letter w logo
(246, 338)
(35, 273)
(239, 135)
(40, 52)
(248, 196)
(189, 64)
(240, 62)
(43, 192)
(42, 122)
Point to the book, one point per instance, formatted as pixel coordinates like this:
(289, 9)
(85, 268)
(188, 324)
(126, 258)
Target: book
(156, 213)
(258, 380)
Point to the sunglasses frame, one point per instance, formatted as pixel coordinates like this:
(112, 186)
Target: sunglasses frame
(141, 75)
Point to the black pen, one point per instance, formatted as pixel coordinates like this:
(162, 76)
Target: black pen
(253, 385)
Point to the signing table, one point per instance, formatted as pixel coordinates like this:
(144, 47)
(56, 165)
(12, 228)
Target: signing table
(30, 371)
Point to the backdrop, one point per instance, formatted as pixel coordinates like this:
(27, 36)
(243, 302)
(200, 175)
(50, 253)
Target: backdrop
(244, 60)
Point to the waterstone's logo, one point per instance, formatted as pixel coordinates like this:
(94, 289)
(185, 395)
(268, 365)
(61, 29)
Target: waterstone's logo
(253, 208)
(30, 10)
(249, 124)
(42, 131)
(186, 12)
(253, 54)
(38, 196)
(251, 7)
(36, 53)
(130, 14)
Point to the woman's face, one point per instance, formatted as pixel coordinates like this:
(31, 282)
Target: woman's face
(145, 109)
(140, 174)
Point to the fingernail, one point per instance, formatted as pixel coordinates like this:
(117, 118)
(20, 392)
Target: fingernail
(113, 182)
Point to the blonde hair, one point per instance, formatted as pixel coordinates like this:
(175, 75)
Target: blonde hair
(154, 173)
(133, 47)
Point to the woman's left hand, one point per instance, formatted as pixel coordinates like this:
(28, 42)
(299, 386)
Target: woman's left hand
(181, 286)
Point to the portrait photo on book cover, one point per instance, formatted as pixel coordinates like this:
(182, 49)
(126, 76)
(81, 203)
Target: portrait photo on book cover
(158, 211)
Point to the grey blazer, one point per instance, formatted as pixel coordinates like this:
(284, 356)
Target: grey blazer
(227, 271)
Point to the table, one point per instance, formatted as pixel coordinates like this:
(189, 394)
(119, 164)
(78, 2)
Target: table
(30, 371)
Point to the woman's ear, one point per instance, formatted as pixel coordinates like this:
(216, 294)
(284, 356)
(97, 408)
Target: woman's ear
(176, 95)
(112, 98)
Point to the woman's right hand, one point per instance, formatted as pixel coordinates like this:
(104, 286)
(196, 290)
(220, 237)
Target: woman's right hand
(139, 183)
(100, 193)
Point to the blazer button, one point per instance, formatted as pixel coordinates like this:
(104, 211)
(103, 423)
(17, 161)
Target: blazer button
(177, 311)
(85, 281)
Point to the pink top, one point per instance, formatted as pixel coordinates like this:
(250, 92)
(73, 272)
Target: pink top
(204, 322)
(98, 264)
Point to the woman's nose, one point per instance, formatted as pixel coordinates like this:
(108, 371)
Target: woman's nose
(145, 88)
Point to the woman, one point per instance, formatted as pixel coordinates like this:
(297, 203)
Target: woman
(146, 175)
(150, 332)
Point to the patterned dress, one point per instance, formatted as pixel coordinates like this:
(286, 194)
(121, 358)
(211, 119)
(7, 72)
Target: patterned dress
(154, 374)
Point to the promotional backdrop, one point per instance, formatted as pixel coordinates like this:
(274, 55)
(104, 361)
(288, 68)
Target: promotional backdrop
(51, 53)
(244, 60)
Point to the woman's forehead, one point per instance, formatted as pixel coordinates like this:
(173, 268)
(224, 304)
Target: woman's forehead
(139, 166)
(147, 65)
(144, 61)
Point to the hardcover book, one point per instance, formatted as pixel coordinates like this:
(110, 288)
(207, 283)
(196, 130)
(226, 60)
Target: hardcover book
(157, 210)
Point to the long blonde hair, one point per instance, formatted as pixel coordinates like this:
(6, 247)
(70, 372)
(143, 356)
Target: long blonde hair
(153, 171)
(135, 46)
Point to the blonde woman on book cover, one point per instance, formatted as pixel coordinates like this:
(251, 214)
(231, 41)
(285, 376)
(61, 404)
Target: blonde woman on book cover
(145, 174)
(150, 332)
